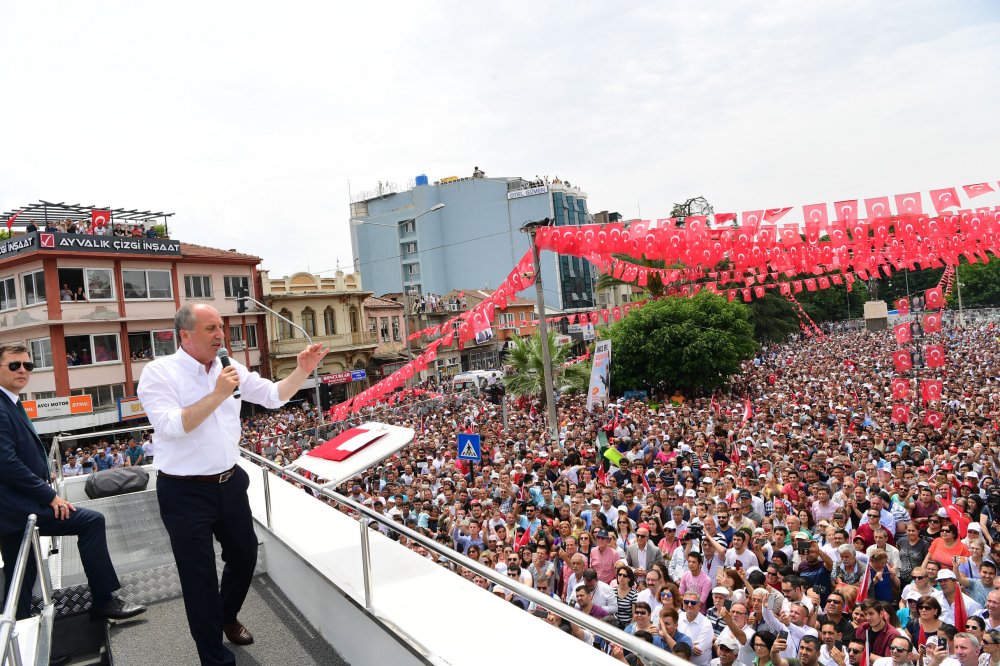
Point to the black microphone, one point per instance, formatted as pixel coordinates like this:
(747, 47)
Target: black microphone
(223, 355)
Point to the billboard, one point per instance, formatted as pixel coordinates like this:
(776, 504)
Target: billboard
(600, 375)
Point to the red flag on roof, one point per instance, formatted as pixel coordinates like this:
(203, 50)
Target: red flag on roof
(10, 220)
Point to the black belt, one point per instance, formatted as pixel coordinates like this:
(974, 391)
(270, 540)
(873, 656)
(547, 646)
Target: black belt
(222, 477)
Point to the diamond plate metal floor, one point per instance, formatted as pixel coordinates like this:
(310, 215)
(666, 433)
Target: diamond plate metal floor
(140, 549)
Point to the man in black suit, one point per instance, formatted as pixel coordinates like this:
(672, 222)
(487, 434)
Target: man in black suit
(25, 490)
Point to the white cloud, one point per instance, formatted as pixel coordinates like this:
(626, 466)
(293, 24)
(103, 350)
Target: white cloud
(248, 120)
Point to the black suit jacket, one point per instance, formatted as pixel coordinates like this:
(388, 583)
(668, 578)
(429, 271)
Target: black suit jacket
(24, 469)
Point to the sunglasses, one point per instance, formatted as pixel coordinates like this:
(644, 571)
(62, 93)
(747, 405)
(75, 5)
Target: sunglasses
(855, 650)
(691, 602)
(919, 577)
(897, 649)
(925, 607)
(14, 366)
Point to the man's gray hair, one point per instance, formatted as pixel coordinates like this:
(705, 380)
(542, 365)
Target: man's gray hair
(184, 320)
(976, 644)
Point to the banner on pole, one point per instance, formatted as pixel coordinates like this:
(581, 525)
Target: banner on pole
(600, 375)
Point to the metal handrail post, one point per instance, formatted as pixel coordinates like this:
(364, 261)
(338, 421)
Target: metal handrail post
(267, 497)
(366, 562)
(9, 647)
(43, 571)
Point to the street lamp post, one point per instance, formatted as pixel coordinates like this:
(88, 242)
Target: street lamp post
(297, 327)
(543, 331)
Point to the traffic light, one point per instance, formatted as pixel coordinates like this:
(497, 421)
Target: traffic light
(241, 299)
(325, 399)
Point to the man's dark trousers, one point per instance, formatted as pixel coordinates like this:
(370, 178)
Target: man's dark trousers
(194, 512)
(93, 544)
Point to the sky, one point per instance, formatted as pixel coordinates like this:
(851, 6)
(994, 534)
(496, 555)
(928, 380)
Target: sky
(252, 121)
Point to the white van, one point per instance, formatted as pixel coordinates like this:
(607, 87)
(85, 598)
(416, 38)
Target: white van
(474, 379)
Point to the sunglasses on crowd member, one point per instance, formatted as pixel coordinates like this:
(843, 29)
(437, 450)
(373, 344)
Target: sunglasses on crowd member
(14, 366)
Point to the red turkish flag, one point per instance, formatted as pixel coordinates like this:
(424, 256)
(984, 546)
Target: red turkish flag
(933, 298)
(100, 218)
(902, 359)
(847, 211)
(816, 213)
(903, 306)
(616, 312)
(900, 413)
(934, 355)
(979, 189)
(878, 207)
(775, 214)
(900, 389)
(909, 203)
(930, 390)
(944, 199)
(752, 219)
(932, 322)
(902, 333)
(933, 418)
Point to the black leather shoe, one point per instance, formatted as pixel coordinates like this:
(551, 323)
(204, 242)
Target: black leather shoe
(237, 633)
(116, 609)
(61, 660)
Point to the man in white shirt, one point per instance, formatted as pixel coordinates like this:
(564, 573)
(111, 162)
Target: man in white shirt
(194, 409)
(695, 625)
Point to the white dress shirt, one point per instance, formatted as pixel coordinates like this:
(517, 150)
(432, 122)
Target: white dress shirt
(171, 383)
(701, 633)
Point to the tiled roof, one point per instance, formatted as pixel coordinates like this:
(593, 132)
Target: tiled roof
(376, 302)
(192, 250)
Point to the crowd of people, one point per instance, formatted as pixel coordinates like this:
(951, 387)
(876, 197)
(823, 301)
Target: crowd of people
(70, 226)
(107, 454)
(816, 529)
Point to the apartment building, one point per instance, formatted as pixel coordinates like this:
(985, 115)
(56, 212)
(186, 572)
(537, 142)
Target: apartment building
(95, 310)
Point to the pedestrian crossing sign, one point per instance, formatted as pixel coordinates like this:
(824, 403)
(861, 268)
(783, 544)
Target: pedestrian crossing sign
(468, 447)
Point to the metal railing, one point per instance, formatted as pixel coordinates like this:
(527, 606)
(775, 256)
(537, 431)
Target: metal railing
(10, 649)
(294, 346)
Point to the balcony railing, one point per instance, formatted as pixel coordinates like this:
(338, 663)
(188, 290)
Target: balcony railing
(334, 342)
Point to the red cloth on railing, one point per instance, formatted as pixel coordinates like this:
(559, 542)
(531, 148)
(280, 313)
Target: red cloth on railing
(346, 444)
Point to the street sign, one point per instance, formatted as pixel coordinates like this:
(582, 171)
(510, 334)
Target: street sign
(468, 447)
(335, 378)
(358, 375)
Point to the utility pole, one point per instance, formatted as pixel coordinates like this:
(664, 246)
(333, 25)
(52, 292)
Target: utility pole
(543, 330)
(958, 286)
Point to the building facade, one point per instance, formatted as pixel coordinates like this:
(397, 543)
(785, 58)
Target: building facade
(384, 319)
(331, 311)
(440, 237)
(94, 310)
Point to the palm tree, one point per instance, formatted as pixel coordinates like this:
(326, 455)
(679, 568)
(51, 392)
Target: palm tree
(526, 359)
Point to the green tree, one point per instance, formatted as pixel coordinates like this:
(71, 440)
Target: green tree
(980, 285)
(689, 343)
(773, 318)
(831, 304)
(526, 359)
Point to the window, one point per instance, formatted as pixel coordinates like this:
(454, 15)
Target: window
(330, 320)
(90, 349)
(34, 288)
(373, 325)
(198, 286)
(41, 352)
(236, 333)
(309, 321)
(411, 248)
(251, 336)
(102, 396)
(395, 329)
(384, 328)
(408, 227)
(147, 284)
(85, 284)
(146, 345)
(285, 330)
(43, 395)
(354, 319)
(233, 283)
(8, 294)
(413, 269)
